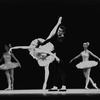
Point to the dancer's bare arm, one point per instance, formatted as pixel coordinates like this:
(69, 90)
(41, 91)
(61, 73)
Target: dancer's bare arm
(48, 52)
(20, 47)
(53, 56)
(94, 55)
(53, 32)
(75, 57)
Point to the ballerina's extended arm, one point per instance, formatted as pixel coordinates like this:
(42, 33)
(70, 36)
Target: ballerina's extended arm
(93, 55)
(38, 50)
(53, 56)
(53, 32)
(20, 47)
(48, 52)
(75, 57)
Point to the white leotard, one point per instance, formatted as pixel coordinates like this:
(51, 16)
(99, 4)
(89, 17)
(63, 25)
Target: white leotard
(85, 55)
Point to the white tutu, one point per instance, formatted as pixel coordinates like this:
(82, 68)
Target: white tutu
(43, 59)
(46, 61)
(86, 64)
(9, 65)
(47, 47)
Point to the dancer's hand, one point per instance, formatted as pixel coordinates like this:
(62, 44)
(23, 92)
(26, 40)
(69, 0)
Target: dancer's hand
(20, 65)
(58, 60)
(99, 59)
(70, 61)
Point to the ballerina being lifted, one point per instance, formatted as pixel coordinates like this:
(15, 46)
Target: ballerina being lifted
(42, 53)
(9, 66)
(86, 65)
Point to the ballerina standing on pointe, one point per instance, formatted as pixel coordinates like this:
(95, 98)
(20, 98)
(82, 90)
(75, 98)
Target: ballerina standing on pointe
(42, 53)
(9, 66)
(86, 65)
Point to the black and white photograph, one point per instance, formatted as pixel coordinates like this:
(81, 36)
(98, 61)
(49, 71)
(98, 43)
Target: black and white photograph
(49, 47)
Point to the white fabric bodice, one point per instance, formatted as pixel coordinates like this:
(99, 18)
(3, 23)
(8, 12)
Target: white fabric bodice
(85, 55)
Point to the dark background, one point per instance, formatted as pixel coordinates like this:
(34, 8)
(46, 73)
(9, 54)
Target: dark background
(21, 21)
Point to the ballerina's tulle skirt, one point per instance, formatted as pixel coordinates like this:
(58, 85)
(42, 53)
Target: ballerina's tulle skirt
(86, 64)
(9, 65)
(46, 61)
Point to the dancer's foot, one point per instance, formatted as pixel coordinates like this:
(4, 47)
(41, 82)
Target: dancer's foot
(95, 85)
(44, 87)
(9, 88)
(86, 88)
(63, 88)
(54, 88)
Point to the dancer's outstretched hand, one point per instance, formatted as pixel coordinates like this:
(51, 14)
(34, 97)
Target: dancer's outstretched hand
(70, 61)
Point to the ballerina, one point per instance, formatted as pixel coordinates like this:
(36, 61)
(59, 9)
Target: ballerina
(86, 65)
(9, 66)
(42, 53)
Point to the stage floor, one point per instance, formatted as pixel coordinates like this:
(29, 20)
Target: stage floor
(68, 91)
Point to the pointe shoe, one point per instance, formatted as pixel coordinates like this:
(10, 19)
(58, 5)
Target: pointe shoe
(95, 85)
(60, 20)
(43, 88)
(86, 88)
(9, 88)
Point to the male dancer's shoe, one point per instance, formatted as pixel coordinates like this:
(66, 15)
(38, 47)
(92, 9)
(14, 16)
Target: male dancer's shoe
(54, 88)
(63, 88)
